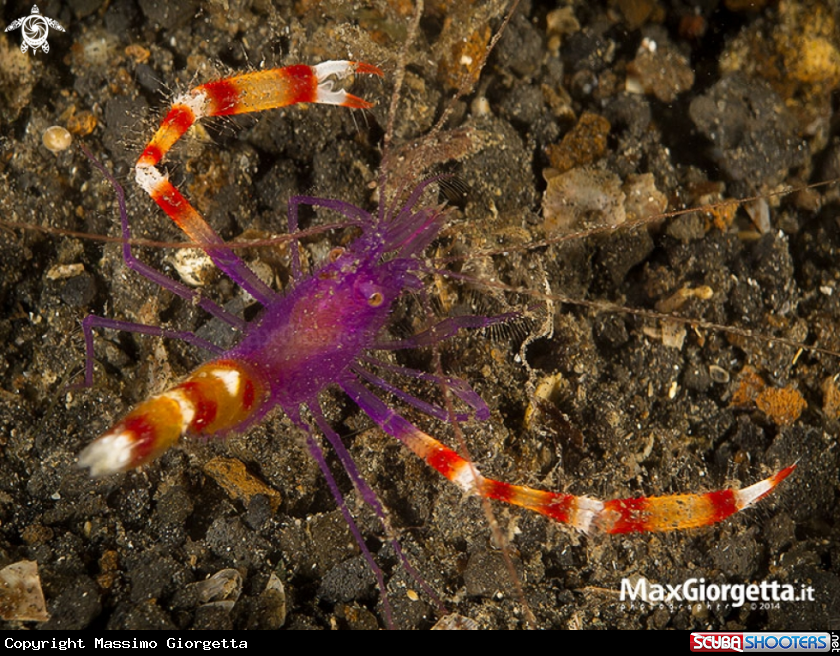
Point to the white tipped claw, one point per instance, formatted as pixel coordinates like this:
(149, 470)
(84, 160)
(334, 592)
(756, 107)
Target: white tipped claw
(109, 454)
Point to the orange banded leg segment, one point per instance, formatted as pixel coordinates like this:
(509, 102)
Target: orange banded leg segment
(251, 92)
(255, 92)
(635, 515)
(644, 514)
(216, 397)
(190, 221)
(684, 511)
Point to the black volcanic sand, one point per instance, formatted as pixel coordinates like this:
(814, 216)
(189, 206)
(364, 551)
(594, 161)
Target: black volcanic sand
(628, 416)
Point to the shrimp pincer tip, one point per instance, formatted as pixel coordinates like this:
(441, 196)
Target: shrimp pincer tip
(784, 473)
(343, 69)
(363, 68)
(109, 454)
(755, 493)
(354, 102)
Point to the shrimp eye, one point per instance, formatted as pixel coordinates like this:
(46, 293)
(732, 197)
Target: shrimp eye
(375, 299)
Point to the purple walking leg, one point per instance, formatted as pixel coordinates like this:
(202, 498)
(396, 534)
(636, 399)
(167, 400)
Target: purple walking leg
(431, 409)
(370, 498)
(444, 330)
(92, 321)
(317, 453)
(457, 386)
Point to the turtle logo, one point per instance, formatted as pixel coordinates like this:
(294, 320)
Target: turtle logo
(35, 29)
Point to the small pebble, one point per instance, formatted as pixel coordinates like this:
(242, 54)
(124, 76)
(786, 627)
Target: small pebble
(56, 139)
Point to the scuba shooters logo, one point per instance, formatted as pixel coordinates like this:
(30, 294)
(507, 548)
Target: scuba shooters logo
(783, 642)
(717, 642)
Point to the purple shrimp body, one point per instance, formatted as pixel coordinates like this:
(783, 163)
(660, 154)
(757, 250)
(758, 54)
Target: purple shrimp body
(307, 339)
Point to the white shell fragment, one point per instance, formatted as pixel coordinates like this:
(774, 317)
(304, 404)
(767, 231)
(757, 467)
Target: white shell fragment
(64, 271)
(224, 588)
(193, 266)
(455, 622)
(582, 199)
(21, 597)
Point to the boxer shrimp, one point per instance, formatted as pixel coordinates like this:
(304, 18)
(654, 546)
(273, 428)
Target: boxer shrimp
(573, 573)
